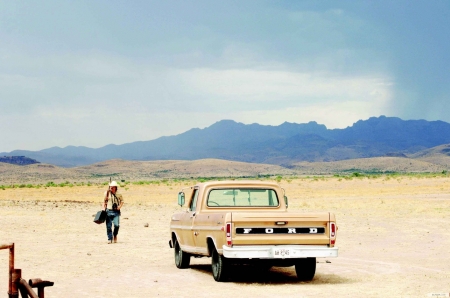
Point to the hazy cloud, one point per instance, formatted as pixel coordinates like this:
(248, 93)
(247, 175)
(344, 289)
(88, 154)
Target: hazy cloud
(93, 73)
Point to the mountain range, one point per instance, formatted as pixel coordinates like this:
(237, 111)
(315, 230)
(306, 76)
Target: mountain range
(285, 144)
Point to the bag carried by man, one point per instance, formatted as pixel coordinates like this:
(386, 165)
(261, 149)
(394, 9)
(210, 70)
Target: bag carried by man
(100, 217)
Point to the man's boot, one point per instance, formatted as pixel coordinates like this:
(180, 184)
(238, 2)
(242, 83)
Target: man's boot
(116, 231)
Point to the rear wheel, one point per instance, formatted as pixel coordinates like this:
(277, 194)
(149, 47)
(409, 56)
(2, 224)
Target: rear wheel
(182, 259)
(305, 268)
(219, 266)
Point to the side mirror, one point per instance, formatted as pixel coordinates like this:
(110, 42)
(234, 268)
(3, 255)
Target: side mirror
(181, 198)
(286, 201)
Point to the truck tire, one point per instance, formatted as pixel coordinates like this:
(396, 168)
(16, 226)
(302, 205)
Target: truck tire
(263, 267)
(219, 266)
(305, 268)
(182, 259)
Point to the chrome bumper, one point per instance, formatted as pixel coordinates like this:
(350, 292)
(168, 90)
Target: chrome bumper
(279, 251)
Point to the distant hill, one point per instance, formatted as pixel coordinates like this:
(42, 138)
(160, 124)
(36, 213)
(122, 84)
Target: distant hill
(127, 170)
(18, 160)
(285, 145)
(372, 165)
(133, 171)
(439, 155)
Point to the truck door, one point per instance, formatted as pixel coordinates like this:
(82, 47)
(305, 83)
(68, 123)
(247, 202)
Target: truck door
(188, 222)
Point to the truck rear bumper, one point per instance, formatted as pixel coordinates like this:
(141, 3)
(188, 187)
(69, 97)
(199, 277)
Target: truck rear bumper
(279, 251)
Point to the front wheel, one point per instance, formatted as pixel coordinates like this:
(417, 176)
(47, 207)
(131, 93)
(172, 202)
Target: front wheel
(305, 268)
(182, 259)
(219, 266)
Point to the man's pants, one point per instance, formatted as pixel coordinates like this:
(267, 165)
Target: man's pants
(112, 217)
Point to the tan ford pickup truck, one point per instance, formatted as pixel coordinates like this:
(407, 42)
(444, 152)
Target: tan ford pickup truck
(247, 222)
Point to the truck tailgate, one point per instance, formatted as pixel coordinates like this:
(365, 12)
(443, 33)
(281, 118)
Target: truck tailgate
(275, 228)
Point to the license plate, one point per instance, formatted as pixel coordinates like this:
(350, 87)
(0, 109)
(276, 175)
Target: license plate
(281, 253)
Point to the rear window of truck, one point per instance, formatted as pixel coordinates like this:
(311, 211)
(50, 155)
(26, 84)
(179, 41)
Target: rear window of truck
(242, 197)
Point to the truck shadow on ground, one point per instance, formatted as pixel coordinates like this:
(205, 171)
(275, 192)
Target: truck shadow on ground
(275, 275)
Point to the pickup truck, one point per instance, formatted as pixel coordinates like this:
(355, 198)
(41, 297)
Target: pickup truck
(247, 222)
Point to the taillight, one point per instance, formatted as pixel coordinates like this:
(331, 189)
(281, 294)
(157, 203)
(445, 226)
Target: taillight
(229, 242)
(332, 233)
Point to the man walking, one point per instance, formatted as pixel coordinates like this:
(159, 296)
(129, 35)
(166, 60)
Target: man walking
(112, 213)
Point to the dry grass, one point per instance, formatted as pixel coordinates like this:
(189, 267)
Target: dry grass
(176, 169)
(393, 238)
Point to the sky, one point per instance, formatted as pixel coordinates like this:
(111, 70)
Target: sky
(93, 73)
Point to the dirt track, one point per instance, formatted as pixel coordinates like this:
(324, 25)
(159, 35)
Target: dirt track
(393, 236)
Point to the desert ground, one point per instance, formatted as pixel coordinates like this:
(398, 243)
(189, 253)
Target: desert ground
(393, 239)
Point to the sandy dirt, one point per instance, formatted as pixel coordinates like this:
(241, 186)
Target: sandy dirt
(394, 241)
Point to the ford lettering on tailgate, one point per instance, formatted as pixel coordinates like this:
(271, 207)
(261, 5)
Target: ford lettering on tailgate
(280, 230)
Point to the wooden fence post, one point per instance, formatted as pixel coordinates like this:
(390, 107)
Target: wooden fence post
(15, 281)
(11, 293)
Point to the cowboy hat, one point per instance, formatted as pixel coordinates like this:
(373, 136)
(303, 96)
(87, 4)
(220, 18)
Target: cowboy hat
(113, 183)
